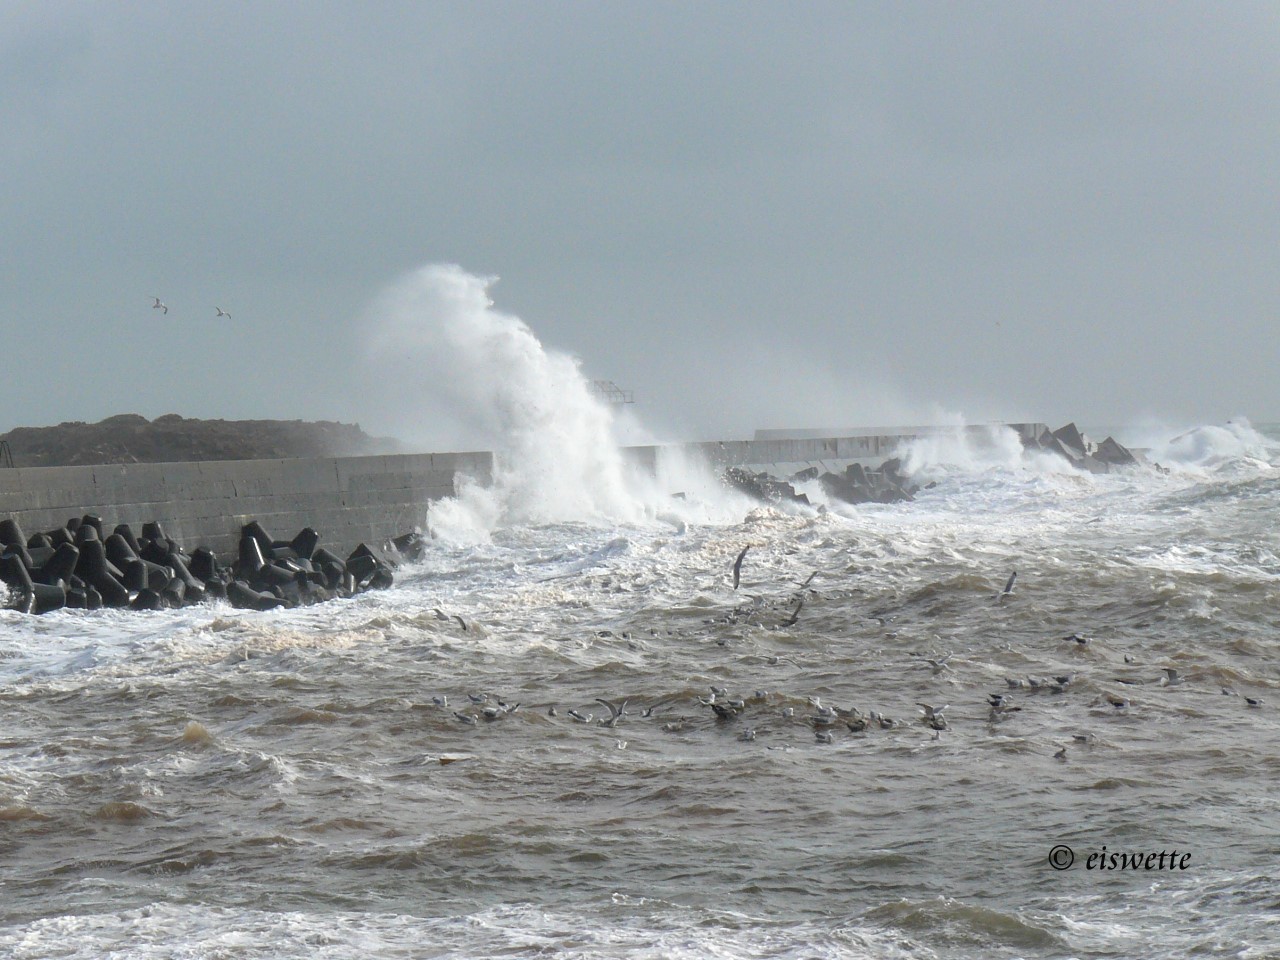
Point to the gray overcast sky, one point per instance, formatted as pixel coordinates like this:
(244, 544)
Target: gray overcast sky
(750, 214)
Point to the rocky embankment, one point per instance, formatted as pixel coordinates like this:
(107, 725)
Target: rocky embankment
(887, 484)
(130, 438)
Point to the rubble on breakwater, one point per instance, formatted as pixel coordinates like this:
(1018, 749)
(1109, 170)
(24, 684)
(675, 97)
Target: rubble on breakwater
(858, 483)
(80, 566)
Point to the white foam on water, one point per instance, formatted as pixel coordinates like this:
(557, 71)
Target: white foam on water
(1173, 916)
(1161, 920)
(992, 448)
(629, 927)
(1204, 448)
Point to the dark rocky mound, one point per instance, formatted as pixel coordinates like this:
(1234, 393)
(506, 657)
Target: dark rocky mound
(130, 438)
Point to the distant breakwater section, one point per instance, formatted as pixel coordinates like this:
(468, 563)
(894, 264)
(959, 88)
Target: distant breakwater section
(769, 468)
(791, 448)
(786, 451)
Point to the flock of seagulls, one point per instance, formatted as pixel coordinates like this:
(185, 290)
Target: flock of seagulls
(158, 304)
(762, 712)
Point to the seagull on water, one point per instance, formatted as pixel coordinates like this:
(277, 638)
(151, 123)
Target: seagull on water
(1000, 706)
(724, 712)
(663, 701)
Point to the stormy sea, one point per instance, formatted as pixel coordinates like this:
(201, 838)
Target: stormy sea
(566, 732)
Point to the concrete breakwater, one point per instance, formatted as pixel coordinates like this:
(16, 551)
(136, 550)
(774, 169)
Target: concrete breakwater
(780, 452)
(370, 500)
(349, 500)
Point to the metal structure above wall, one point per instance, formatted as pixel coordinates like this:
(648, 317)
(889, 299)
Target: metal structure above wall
(609, 392)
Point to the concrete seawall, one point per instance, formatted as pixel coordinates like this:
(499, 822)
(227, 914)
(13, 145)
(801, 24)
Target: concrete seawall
(350, 499)
(347, 499)
(786, 451)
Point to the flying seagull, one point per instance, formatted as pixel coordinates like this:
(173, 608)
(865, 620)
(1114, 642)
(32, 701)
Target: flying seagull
(737, 566)
(222, 313)
(158, 305)
(616, 713)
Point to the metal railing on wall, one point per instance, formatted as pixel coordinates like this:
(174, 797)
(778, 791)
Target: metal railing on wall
(6, 455)
(610, 392)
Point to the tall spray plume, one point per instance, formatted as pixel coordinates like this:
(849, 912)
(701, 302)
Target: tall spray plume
(440, 339)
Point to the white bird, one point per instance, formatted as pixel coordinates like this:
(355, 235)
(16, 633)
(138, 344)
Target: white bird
(222, 313)
(158, 305)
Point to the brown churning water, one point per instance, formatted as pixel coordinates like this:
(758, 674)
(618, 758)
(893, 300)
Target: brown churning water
(210, 782)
